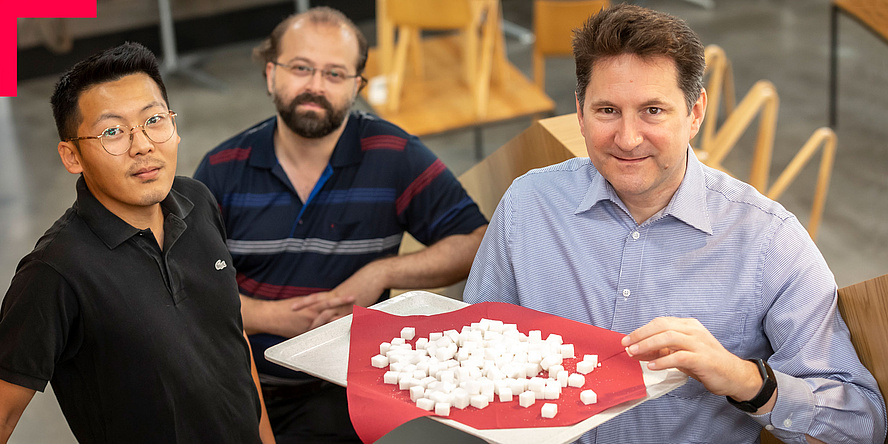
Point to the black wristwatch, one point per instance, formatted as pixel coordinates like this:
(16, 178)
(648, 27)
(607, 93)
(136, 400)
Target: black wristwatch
(768, 386)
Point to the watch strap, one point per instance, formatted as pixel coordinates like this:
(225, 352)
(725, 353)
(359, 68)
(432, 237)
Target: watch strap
(769, 384)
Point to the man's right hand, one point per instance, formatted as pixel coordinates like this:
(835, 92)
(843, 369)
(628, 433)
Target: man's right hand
(286, 317)
(275, 317)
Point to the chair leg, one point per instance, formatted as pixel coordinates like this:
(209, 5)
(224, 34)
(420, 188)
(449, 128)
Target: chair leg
(396, 75)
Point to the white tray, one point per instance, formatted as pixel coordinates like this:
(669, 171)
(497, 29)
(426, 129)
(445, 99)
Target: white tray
(323, 352)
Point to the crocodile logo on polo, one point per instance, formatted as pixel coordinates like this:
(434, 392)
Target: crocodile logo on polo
(220, 264)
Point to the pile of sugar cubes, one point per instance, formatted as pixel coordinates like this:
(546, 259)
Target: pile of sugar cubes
(484, 362)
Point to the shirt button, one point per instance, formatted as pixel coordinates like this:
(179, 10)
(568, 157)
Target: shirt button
(300, 221)
(635, 235)
(626, 293)
(769, 427)
(787, 422)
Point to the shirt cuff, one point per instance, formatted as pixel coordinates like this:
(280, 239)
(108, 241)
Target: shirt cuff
(793, 411)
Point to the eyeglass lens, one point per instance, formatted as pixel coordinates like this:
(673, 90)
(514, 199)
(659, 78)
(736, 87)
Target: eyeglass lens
(118, 139)
(332, 75)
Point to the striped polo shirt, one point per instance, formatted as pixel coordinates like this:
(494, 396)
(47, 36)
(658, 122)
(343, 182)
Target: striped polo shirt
(380, 182)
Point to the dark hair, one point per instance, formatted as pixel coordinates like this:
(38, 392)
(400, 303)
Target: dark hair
(270, 48)
(106, 66)
(630, 29)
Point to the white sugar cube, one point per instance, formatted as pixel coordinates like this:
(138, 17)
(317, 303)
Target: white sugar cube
(576, 380)
(416, 392)
(518, 385)
(425, 404)
(379, 361)
(460, 399)
(421, 343)
(567, 351)
(479, 401)
(406, 383)
(390, 377)
(591, 358)
(408, 333)
(439, 397)
(434, 336)
(526, 399)
(585, 367)
(384, 348)
(550, 360)
(588, 397)
(534, 335)
(442, 409)
(562, 378)
(555, 339)
(549, 410)
(552, 390)
(505, 395)
(536, 384)
(554, 370)
(398, 341)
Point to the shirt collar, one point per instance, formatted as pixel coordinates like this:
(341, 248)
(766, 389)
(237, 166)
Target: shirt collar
(111, 229)
(346, 152)
(688, 204)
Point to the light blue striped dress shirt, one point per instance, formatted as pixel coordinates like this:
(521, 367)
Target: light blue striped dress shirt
(562, 242)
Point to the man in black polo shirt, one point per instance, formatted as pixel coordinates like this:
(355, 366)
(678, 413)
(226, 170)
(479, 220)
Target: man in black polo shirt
(128, 304)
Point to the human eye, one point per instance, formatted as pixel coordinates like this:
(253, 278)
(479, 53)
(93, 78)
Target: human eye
(335, 74)
(155, 120)
(653, 110)
(302, 70)
(113, 132)
(608, 110)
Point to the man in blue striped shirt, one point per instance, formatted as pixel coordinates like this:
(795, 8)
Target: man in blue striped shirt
(702, 272)
(315, 201)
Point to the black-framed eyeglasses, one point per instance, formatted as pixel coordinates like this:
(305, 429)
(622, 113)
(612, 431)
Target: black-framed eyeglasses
(332, 75)
(118, 139)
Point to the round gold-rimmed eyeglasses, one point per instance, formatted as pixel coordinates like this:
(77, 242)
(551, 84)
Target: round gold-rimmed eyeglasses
(118, 139)
(333, 75)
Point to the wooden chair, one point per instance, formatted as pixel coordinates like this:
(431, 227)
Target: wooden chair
(719, 81)
(864, 306)
(477, 20)
(545, 142)
(553, 25)
(763, 102)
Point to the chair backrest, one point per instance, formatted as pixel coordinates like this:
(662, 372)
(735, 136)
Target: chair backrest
(864, 306)
(430, 14)
(553, 25)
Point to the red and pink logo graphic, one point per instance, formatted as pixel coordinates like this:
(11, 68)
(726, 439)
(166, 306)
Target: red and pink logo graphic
(13, 10)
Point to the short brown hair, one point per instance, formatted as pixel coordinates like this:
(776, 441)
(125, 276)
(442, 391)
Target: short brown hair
(630, 29)
(270, 48)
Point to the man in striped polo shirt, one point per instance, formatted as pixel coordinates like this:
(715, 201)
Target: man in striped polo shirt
(315, 201)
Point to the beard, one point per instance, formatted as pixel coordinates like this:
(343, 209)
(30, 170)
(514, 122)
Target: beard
(309, 124)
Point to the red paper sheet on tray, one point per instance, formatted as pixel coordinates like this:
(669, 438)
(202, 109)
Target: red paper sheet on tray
(377, 408)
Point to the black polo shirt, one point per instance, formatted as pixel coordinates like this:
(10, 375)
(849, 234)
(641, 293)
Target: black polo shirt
(140, 344)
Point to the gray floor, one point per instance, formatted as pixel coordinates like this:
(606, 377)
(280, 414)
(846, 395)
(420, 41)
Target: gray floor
(785, 41)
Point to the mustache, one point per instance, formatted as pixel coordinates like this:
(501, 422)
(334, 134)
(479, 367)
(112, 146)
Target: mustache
(308, 97)
(147, 164)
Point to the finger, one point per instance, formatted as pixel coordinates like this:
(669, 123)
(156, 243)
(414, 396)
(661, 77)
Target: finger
(307, 301)
(323, 318)
(655, 326)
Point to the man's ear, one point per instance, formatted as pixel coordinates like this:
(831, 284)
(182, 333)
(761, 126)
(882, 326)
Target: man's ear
(269, 77)
(70, 155)
(698, 112)
(580, 115)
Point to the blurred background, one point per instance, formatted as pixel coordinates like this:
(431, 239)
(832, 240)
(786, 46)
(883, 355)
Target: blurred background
(218, 91)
